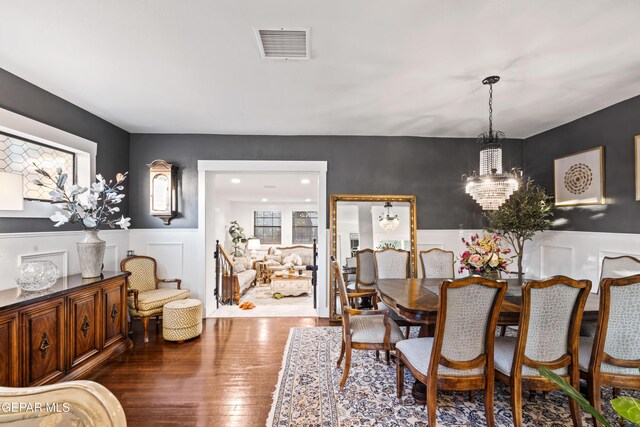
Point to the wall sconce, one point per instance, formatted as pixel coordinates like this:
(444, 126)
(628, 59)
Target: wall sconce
(11, 192)
(163, 191)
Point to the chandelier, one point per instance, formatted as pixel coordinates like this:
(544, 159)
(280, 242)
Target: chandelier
(492, 187)
(387, 221)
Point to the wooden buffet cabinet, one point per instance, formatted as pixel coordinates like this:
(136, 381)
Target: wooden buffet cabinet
(63, 333)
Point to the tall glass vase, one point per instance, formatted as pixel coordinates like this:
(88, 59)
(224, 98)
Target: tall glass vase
(91, 254)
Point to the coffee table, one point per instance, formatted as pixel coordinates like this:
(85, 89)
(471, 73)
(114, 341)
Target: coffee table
(291, 285)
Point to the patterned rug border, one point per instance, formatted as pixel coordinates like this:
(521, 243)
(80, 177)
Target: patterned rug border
(275, 396)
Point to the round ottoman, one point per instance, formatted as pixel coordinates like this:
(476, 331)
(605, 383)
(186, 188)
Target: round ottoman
(182, 320)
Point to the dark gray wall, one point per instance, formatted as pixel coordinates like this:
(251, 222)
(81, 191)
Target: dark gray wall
(429, 168)
(614, 128)
(24, 98)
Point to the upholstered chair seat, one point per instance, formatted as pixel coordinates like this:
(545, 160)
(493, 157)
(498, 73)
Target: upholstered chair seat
(371, 330)
(503, 353)
(415, 351)
(155, 299)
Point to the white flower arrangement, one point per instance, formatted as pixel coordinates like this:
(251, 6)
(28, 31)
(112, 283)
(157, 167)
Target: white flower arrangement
(90, 206)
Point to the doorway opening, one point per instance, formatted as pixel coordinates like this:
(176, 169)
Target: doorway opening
(261, 218)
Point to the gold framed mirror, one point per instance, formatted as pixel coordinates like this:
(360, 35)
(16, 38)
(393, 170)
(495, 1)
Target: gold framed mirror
(369, 221)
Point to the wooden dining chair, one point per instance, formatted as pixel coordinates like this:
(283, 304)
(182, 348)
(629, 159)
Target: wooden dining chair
(437, 264)
(550, 316)
(612, 268)
(363, 329)
(460, 354)
(612, 358)
(365, 270)
(393, 264)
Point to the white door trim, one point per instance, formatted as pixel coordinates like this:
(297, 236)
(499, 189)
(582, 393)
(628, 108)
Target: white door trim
(205, 259)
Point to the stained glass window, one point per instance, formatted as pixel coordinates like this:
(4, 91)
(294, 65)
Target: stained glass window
(18, 155)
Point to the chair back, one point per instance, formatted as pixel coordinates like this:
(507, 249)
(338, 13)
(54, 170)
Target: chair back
(143, 272)
(392, 264)
(550, 318)
(342, 287)
(616, 347)
(365, 268)
(437, 264)
(465, 326)
(622, 266)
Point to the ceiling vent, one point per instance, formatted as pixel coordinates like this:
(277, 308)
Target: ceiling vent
(283, 43)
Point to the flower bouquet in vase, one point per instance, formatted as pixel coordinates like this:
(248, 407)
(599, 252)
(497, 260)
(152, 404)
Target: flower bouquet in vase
(91, 207)
(484, 256)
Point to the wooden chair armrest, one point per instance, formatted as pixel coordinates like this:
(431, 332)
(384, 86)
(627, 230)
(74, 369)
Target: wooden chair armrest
(353, 311)
(134, 292)
(361, 294)
(176, 281)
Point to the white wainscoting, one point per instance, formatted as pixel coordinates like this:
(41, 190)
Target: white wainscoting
(577, 254)
(176, 251)
(56, 246)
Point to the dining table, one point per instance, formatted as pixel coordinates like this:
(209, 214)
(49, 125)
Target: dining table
(417, 300)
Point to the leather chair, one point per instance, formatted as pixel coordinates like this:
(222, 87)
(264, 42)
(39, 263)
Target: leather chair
(146, 299)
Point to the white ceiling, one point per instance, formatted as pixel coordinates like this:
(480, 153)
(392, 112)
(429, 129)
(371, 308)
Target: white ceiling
(251, 188)
(412, 67)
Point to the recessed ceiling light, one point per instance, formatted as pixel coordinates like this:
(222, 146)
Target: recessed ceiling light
(307, 200)
(305, 181)
(235, 180)
(265, 200)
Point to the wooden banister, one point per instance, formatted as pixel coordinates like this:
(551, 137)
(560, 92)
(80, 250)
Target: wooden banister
(224, 276)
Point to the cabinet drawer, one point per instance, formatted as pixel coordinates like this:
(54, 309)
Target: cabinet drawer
(9, 350)
(114, 313)
(83, 324)
(43, 342)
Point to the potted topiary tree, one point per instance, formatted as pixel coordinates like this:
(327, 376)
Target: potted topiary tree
(526, 212)
(238, 238)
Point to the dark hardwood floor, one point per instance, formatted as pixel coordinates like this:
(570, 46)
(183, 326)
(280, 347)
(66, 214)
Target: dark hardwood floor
(224, 378)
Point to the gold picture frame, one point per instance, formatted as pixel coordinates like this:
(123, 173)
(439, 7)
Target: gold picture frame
(637, 151)
(333, 222)
(579, 178)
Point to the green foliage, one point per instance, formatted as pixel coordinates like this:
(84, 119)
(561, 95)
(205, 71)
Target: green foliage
(628, 408)
(573, 393)
(238, 238)
(526, 212)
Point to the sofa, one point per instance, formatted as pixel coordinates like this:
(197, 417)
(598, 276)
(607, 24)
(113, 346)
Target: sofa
(276, 258)
(243, 277)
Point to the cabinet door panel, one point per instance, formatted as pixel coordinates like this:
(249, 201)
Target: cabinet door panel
(114, 312)
(84, 333)
(9, 350)
(43, 342)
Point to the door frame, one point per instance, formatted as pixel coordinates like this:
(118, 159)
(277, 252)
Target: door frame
(206, 263)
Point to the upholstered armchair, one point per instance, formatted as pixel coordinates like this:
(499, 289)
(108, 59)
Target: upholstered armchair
(363, 329)
(78, 403)
(612, 357)
(550, 317)
(146, 298)
(437, 264)
(612, 268)
(460, 354)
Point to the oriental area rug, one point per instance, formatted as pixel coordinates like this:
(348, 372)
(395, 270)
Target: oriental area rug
(307, 393)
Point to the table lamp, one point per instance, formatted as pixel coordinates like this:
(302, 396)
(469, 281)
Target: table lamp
(253, 245)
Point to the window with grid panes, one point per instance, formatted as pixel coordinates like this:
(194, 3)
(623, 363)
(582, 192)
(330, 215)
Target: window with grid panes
(267, 226)
(304, 226)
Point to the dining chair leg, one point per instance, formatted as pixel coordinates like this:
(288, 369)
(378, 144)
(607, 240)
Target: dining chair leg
(516, 403)
(576, 414)
(347, 365)
(157, 323)
(341, 353)
(488, 402)
(616, 392)
(399, 377)
(432, 401)
(407, 331)
(595, 397)
(378, 355)
(503, 330)
(387, 356)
